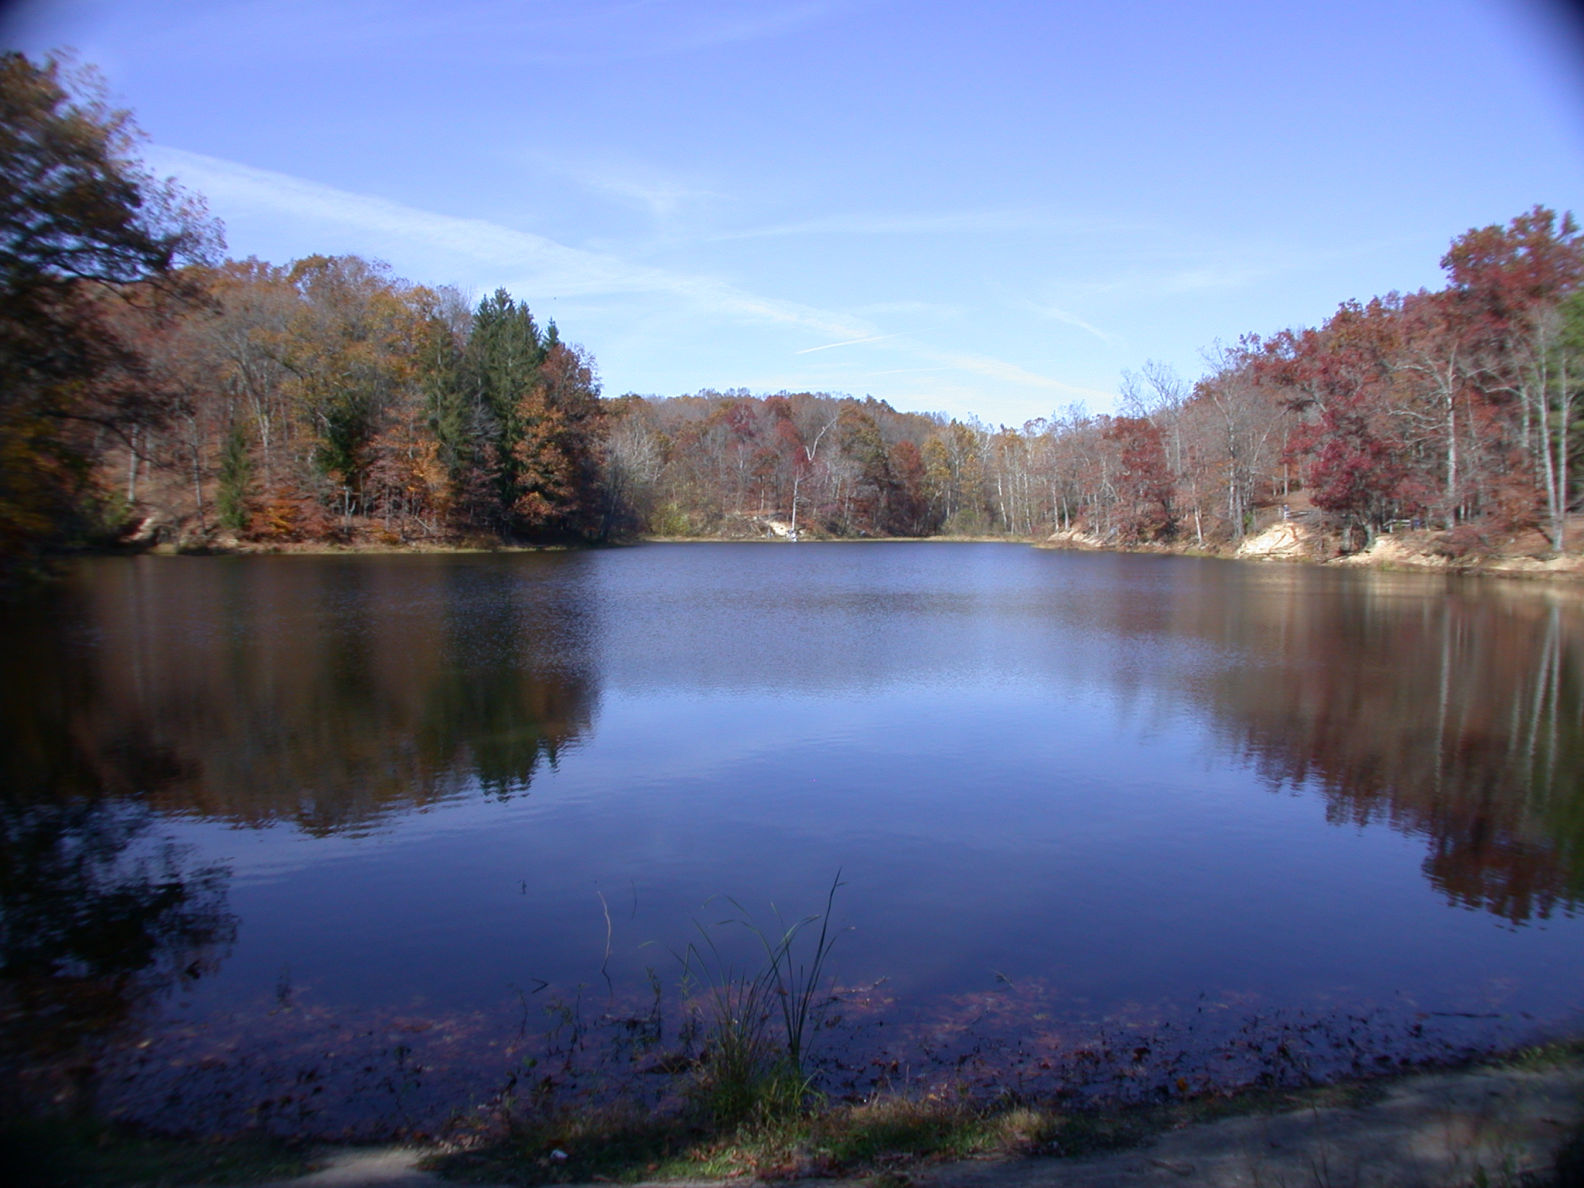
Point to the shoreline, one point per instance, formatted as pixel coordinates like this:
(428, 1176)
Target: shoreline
(1408, 553)
(1514, 1117)
(1288, 543)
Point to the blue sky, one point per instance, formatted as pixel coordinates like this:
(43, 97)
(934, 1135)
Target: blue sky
(986, 209)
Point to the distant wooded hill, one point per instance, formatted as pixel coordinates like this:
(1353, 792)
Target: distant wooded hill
(147, 390)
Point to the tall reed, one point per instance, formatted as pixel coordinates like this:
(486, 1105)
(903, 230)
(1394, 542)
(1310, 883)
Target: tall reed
(752, 1063)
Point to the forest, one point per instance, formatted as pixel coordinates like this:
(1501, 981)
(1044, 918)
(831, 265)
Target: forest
(156, 392)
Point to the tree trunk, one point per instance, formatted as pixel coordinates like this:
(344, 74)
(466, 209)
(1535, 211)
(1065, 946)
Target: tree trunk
(133, 456)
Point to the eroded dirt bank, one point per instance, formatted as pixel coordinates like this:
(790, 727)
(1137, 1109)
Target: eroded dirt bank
(1292, 541)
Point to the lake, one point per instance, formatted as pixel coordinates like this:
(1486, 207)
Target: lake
(346, 845)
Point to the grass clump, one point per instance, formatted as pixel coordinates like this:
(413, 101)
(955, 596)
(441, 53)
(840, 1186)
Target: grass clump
(1546, 1056)
(886, 1132)
(757, 1023)
(883, 1136)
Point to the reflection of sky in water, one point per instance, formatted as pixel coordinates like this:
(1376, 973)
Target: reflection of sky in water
(1103, 774)
(861, 621)
(1131, 873)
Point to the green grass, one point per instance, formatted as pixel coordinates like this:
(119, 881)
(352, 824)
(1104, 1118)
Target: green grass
(757, 1023)
(888, 1137)
(1540, 1057)
(873, 1137)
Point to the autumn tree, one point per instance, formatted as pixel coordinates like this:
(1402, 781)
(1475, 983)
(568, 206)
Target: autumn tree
(514, 414)
(1568, 368)
(1239, 424)
(1358, 472)
(558, 426)
(954, 476)
(499, 365)
(633, 458)
(909, 510)
(1511, 282)
(1143, 482)
(410, 474)
(1010, 481)
(349, 350)
(241, 340)
(83, 227)
(866, 510)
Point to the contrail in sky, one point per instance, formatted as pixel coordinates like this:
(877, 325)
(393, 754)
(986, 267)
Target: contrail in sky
(849, 342)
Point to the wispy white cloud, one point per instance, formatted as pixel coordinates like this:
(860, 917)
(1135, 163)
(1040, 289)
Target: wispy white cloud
(730, 24)
(1007, 375)
(561, 36)
(545, 267)
(964, 400)
(846, 343)
(1056, 314)
(1177, 274)
(973, 222)
(911, 307)
(1013, 374)
(631, 30)
(1198, 280)
(660, 194)
(529, 263)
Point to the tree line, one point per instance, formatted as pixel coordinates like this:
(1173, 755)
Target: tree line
(152, 388)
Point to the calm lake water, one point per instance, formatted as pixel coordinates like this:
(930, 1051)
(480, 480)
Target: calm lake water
(342, 844)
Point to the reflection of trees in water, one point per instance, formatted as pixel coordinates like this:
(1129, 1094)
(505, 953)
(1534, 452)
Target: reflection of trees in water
(1457, 714)
(99, 916)
(324, 693)
(513, 682)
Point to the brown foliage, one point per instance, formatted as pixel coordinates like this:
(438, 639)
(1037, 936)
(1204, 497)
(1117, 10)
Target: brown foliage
(290, 515)
(83, 229)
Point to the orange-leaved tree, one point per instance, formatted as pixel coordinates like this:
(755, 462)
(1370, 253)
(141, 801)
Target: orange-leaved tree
(83, 226)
